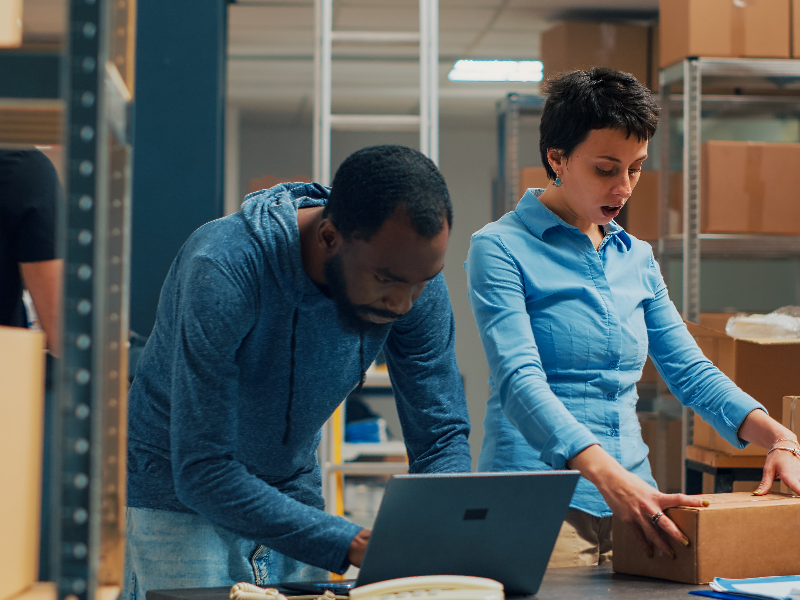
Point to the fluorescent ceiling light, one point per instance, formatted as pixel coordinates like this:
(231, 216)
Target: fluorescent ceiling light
(496, 70)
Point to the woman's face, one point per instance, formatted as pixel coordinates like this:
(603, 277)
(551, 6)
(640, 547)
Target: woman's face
(599, 176)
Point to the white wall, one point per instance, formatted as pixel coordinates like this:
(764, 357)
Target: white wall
(468, 160)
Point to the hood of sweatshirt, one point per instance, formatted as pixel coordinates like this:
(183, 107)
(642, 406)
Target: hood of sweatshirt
(271, 215)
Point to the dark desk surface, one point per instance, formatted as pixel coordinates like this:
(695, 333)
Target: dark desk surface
(582, 583)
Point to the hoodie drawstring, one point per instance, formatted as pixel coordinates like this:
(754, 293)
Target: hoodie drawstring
(293, 346)
(291, 378)
(363, 378)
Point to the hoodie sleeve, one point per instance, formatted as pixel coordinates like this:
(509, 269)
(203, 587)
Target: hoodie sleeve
(215, 310)
(420, 354)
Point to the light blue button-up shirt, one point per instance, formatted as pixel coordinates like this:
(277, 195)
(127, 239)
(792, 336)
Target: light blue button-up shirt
(566, 330)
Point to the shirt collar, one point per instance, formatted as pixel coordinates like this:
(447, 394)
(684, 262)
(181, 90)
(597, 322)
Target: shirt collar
(538, 219)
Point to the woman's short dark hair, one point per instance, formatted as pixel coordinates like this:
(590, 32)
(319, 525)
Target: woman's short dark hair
(373, 182)
(600, 98)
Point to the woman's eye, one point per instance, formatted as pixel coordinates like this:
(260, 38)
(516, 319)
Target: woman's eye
(633, 171)
(603, 173)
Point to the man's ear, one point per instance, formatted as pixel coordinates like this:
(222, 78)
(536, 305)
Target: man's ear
(328, 237)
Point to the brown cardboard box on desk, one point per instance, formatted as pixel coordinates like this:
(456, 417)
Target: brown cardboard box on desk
(750, 187)
(723, 28)
(767, 369)
(739, 535)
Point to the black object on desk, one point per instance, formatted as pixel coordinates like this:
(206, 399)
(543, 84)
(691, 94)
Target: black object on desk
(578, 583)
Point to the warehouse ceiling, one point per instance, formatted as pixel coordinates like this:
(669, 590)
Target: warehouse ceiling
(271, 44)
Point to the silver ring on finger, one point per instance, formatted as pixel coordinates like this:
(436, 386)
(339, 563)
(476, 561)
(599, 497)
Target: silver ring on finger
(656, 517)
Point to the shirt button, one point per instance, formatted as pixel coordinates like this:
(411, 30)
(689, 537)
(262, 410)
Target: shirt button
(611, 396)
(614, 433)
(613, 364)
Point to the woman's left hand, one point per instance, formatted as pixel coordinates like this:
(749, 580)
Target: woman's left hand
(761, 429)
(781, 464)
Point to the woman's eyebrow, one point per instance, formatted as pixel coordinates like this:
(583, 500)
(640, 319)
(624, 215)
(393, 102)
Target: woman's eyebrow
(616, 160)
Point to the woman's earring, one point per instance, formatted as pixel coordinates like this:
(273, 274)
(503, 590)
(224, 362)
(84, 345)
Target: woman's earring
(558, 182)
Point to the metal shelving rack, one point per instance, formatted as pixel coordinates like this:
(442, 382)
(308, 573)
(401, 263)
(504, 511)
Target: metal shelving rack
(692, 244)
(509, 110)
(87, 538)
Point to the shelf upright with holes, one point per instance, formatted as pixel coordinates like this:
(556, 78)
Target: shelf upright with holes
(692, 105)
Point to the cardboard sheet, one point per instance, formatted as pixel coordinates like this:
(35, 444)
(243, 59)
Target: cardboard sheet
(21, 425)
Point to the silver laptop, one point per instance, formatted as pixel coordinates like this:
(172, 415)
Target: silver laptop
(497, 525)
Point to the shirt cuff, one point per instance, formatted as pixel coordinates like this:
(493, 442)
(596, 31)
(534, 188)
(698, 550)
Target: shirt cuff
(345, 538)
(565, 442)
(731, 418)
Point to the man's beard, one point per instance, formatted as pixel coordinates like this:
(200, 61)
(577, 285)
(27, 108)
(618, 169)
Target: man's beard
(351, 315)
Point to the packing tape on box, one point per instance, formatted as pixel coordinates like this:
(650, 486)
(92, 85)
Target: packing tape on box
(738, 27)
(754, 186)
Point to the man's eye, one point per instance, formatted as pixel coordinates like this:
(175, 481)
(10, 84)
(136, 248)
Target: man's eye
(382, 279)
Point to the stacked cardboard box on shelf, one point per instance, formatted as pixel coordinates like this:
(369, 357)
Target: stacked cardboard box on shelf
(747, 188)
(750, 187)
(572, 45)
(795, 28)
(724, 28)
(642, 206)
(764, 368)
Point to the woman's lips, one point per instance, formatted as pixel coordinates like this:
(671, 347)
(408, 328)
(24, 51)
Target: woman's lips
(610, 211)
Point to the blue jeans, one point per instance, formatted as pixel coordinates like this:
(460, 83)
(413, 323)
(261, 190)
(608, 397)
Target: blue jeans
(171, 550)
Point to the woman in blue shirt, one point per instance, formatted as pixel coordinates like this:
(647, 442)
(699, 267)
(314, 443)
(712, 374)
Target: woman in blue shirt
(569, 305)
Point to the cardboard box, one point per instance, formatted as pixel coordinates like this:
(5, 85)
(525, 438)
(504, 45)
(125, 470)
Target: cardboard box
(531, 177)
(764, 368)
(663, 438)
(716, 321)
(737, 536)
(750, 187)
(642, 206)
(720, 28)
(21, 423)
(575, 45)
(652, 61)
(795, 28)
(791, 420)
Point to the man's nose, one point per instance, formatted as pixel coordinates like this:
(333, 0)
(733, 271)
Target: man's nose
(400, 299)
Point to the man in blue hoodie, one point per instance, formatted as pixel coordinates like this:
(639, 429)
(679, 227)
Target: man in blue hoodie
(268, 318)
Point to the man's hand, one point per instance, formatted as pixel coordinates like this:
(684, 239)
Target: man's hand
(358, 547)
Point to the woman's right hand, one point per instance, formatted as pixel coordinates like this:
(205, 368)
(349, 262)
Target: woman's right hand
(633, 500)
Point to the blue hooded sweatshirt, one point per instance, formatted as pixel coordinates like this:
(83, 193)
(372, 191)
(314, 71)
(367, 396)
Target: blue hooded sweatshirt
(246, 362)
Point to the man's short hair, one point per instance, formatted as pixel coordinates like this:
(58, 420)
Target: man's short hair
(372, 183)
(600, 98)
